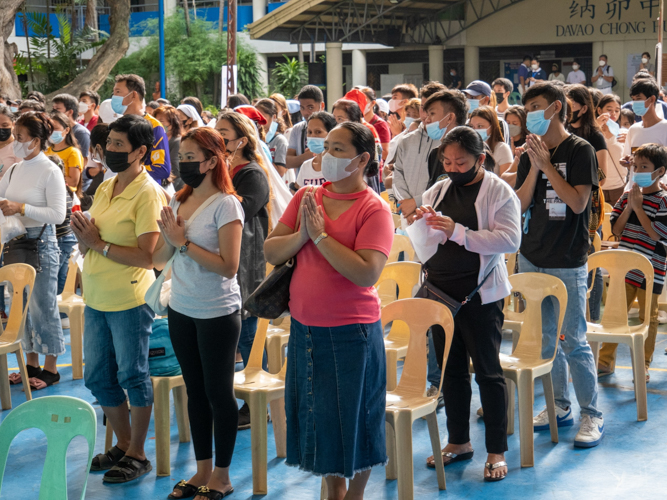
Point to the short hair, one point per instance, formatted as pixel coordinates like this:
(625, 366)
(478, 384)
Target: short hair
(646, 86)
(507, 84)
(153, 104)
(91, 94)
(235, 100)
(351, 109)
(575, 61)
(4, 110)
(164, 101)
(311, 92)
(604, 55)
(36, 96)
(408, 91)
(646, 54)
(363, 142)
(32, 105)
(527, 57)
(98, 136)
(655, 153)
(70, 102)
(139, 131)
(627, 113)
(551, 93)
(169, 112)
(38, 124)
(327, 119)
(455, 99)
(414, 104)
(194, 102)
(430, 88)
(134, 83)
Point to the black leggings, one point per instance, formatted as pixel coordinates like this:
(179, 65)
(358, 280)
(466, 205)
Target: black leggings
(206, 351)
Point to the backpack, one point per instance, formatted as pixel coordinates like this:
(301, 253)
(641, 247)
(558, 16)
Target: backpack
(162, 360)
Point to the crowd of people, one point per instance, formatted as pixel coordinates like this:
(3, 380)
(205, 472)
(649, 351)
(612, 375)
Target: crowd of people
(140, 187)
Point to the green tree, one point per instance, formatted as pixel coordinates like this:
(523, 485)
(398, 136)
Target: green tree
(289, 76)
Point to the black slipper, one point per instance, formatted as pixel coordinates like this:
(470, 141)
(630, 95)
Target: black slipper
(203, 491)
(187, 490)
(453, 457)
(33, 371)
(49, 378)
(106, 461)
(127, 469)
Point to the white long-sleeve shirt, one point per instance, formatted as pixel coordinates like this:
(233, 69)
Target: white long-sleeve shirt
(40, 184)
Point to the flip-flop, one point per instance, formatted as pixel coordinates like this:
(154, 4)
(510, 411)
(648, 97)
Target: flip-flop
(205, 492)
(187, 490)
(453, 458)
(493, 467)
(33, 371)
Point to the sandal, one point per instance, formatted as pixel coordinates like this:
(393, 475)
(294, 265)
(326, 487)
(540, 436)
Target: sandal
(453, 457)
(203, 491)
(49, 378)
(187, 490)
(493, 467)
(33, 371)
(106, 461)
(127, 469)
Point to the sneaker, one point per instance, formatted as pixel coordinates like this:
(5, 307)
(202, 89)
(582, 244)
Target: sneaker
(590, 433)
(65, 323)
(244, 417)
(563, 419)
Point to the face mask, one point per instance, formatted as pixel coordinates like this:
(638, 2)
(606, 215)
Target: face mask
(451, 73)
(643, 179)
(408, 121)
(56, 137)
(434, 131)
(644, 60)
(536, 123)
(13, 109)
(482, 133)
(534, 67)
(21, 149)
(271, 133)
(83, 107)
(5, 134)
(190, 173)
(315, 144)
(394, 105)
(334, 169)
(575, 67)
(463, 178)
(368, 109)
(639, 107)
(117, 161)
(474, 104)
(500, 97)
(514, 130)
(117, 104)
(602, 64)
(575, 116)
(613, 127)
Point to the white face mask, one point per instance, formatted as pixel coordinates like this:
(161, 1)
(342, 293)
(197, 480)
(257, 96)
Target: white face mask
(602, 63)
(21, 149)
(644, 60)
(83, 107)
(334, 169)
(575, 67)
(534, 66)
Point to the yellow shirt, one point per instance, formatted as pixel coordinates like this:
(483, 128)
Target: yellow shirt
(110, 286)
(71, 157)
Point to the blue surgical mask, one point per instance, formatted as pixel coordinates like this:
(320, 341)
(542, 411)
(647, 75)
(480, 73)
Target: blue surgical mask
(643, 179)
(613, 127)
(117, 104)
(474, 104)
(536, 123)
(639, 107)
(408, 121)
(482, 133)
(56, 137)
(315, 144)
(272, 131)
(434, 131)
(13, 109)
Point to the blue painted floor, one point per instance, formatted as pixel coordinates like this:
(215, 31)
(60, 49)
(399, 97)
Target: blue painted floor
(630, 462)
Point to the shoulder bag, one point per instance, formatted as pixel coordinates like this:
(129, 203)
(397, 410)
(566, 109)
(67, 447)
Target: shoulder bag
(271, 298)
(158, 294)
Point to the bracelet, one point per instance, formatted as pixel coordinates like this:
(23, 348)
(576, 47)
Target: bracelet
(23, 209)
(105, 251)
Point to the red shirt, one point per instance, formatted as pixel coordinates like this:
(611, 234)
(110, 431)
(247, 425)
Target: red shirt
(382, 128)
(91, 124)
(320, 295)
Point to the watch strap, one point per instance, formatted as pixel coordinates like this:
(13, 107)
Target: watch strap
(320, 238)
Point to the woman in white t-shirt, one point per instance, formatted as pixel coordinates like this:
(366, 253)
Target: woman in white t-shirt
(608, 113)
(319, 125)
(283, 113)
(485, 122)
(7, 156)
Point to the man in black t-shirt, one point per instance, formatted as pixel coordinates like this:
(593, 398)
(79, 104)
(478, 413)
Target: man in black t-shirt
(555, 178)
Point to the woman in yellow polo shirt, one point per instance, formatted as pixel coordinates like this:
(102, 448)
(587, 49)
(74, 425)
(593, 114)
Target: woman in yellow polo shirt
(118, 243)
(65, 146)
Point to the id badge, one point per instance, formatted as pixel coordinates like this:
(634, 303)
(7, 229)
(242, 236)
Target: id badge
(555, 206)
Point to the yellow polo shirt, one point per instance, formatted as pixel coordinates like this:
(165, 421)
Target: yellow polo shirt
(109, 286)
(71, 157)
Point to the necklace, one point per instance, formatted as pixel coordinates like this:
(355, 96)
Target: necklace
(558, 145)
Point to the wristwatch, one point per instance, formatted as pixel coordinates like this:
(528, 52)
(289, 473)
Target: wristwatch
(105, 251)
(320, 238)
(184, 246)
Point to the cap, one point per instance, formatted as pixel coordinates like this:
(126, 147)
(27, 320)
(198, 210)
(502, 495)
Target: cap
(383, 105)
(478, 87)
(293, 106)
(252, 113)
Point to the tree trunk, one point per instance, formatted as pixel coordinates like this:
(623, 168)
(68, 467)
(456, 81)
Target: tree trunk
(9, 83)
(221, 16)
(108, 54)
(74, 22)
(187, 17)
(91, 16)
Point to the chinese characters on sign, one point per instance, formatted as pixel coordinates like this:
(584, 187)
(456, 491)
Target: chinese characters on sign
(616, 17)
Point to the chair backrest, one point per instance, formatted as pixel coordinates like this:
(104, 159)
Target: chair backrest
(257, 351)
(419, 315)
(61, 418)
(607, 208)
(397, 221)
(401, 244)
(19, 276)
(405, 274)
(510, 262)
(618, 263)
(535, 287)
(597, 242)
(70, 282)
(607, 234)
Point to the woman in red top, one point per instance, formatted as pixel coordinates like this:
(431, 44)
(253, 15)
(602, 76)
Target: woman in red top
(336, 344)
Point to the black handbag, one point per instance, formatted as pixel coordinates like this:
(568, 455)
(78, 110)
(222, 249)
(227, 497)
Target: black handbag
(23, 250)
(270, 299)
(429, 291)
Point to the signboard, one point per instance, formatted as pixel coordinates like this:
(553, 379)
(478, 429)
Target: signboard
(223, 81)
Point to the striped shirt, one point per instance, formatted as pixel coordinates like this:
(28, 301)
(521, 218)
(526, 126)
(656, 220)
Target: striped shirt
(635, 237)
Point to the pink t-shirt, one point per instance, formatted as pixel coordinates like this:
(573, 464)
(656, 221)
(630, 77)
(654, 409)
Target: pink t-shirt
(320, 295)
(7, 158)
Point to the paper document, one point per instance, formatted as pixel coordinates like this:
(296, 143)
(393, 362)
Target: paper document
(425, 239)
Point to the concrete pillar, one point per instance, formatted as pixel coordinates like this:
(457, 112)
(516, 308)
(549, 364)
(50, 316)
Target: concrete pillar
(300, 53)
(264, 73)
(436, 64)
(258, 9)
(170, 7)
(334, 73)
(471, 67)
(358, 67)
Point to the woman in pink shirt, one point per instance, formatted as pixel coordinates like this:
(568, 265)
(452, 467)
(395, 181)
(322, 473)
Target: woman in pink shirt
(336, 344)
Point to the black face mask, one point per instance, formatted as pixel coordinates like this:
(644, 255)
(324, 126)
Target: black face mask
(575, 116)
(190, 173)
(117, 161)
(5, 134)
(463, 178)
(500, 97)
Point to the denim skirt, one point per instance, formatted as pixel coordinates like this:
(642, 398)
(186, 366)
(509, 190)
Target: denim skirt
(335, 389)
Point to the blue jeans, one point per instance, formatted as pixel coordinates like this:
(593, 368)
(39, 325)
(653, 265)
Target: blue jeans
(248, 330)
(43, 333)
(115, 345)
(573, 349)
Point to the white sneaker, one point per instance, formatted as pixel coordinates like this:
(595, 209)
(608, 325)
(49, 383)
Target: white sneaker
(590, 433)
(65, 323)
(563, 419)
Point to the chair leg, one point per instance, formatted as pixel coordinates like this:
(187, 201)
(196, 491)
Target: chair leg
(5, 393)
(24, 373)
(392, 370)
(391, 471)
(108, 436)
(637, 353)
(182, 418)
(258, 441)
(406, 475)
(434, 433)
(525, 389)
(595, 347)
(324, 491)
(76, 338)
(548, 386)
(279, 426)
(274, 355)
(511, 403)
(162, 427)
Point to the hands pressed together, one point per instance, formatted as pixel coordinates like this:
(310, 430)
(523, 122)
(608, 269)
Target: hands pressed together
(312, 219)
(538, 152)
(86, 231)
(172, 227)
